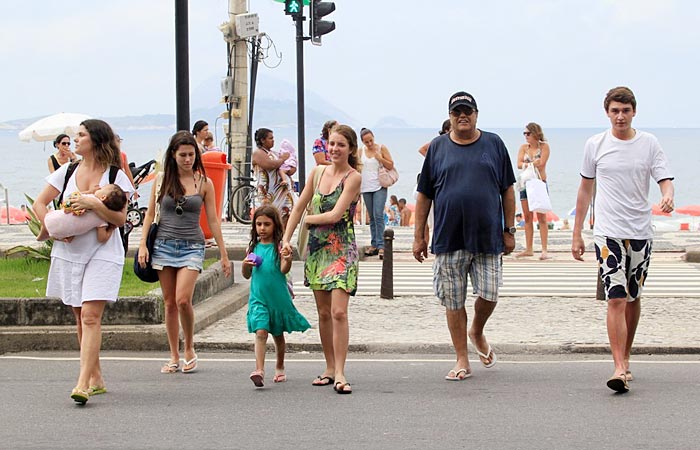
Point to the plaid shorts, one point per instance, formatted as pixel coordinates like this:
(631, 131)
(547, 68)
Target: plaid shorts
(623, 265)
(450, 277)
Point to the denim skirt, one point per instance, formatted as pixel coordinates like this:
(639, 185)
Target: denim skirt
(178, 253)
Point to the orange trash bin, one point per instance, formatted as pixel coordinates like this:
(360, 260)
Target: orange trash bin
(216, 167)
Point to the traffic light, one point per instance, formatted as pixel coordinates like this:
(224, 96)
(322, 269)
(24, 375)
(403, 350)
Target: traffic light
(293, 7)
(318, 27)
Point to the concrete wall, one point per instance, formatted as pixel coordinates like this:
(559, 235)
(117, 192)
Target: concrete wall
(147, 310)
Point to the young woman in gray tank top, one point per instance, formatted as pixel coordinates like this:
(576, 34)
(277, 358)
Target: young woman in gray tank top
(178, 252)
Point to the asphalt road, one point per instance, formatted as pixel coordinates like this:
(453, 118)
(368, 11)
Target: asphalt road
(399, 401)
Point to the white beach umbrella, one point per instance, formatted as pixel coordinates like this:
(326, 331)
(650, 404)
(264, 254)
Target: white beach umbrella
(48, 128)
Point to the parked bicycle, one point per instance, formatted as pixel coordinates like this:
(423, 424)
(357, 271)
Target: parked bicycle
(242, 201)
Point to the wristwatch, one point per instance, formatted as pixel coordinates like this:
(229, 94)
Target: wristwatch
(510, 230)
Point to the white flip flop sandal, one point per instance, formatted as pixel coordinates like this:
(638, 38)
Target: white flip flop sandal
(486, 356)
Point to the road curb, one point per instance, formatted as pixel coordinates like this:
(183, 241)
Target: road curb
(446, 349)
(122, 337)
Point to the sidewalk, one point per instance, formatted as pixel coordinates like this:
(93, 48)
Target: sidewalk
(537, 325)
(417, 324)
(237, 236)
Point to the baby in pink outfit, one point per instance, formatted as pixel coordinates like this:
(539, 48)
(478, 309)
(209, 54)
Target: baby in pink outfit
(69, 221)
(289, 164)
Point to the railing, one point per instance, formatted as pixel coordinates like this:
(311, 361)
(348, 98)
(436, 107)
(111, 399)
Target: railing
(6, 200)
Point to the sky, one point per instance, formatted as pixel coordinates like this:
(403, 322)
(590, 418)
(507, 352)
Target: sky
(546, 61)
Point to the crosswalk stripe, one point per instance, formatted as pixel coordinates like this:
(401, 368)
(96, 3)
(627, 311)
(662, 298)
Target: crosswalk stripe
(547, 279)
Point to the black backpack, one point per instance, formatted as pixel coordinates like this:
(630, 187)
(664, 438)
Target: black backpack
(113, 170)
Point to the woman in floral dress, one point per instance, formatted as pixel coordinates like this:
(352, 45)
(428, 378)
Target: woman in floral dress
(332, 262)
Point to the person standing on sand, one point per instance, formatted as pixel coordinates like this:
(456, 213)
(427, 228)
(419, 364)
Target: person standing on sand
(534, 151)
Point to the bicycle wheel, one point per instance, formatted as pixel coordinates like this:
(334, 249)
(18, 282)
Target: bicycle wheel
(243, 203)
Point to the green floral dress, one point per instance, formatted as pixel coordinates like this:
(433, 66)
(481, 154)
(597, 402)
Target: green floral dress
(332, 260)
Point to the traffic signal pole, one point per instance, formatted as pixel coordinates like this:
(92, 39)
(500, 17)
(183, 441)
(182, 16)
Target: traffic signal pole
(182, 66)
(317, 27)
(299, 19)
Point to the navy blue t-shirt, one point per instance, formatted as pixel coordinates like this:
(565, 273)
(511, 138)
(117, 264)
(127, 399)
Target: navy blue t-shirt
(465, 183)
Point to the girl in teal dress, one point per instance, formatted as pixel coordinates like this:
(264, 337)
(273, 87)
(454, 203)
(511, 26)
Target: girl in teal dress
(331, 266)
(270, 307)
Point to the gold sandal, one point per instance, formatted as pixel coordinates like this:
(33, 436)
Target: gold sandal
(79, 395)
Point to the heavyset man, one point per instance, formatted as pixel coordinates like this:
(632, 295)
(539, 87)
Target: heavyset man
(621, 161)
(468, 176)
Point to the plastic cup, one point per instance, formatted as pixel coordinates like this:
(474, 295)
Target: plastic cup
(256, 259)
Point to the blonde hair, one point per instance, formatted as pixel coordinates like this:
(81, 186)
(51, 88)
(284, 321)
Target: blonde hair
(536, 130)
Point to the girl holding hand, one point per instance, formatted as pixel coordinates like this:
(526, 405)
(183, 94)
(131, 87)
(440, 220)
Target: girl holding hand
(270, 307)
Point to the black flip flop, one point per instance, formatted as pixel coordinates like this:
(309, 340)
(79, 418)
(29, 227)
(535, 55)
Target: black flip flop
(320, 378)
(618, 384)
(342, 388)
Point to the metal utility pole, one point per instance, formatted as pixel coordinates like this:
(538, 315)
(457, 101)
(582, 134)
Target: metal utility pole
(239, 100)
(254, 60)
(182, 66)
(299, 20)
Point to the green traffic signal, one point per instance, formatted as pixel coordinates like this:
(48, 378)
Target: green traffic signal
(292, 7)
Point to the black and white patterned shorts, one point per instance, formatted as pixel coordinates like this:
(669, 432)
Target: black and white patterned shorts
(623, 265)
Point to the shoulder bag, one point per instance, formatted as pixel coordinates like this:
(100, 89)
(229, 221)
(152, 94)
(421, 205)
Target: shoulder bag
(387, 177)
(148, 273)
(537, 196)
(303, 234)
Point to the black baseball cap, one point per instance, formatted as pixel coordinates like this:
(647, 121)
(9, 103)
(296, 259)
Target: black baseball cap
(462, 99)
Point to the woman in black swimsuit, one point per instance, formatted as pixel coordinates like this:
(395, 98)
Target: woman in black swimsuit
(63, 153)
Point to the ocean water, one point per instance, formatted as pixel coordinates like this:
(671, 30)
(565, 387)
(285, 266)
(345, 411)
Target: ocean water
(24, 165)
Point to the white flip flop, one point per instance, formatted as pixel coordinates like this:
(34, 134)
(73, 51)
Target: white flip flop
(486, 356)
(187, 363)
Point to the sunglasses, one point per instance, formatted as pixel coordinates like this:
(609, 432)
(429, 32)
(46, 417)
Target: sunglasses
(526, 133)
(65, 143)
(178, 206)
(458, 111)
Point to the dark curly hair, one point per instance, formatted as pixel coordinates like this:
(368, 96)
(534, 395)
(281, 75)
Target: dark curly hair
(260, 134)
(271, 212)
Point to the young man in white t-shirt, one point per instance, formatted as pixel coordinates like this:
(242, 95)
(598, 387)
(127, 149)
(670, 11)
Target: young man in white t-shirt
(620, 162)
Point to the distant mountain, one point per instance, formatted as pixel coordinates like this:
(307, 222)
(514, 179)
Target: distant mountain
(392, 122)
(275, 107)
(275, 104)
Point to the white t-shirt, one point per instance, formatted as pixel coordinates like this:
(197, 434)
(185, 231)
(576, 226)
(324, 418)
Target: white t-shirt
(622, 170)
(85, 247)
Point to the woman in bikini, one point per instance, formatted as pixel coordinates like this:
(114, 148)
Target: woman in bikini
(536, 152)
